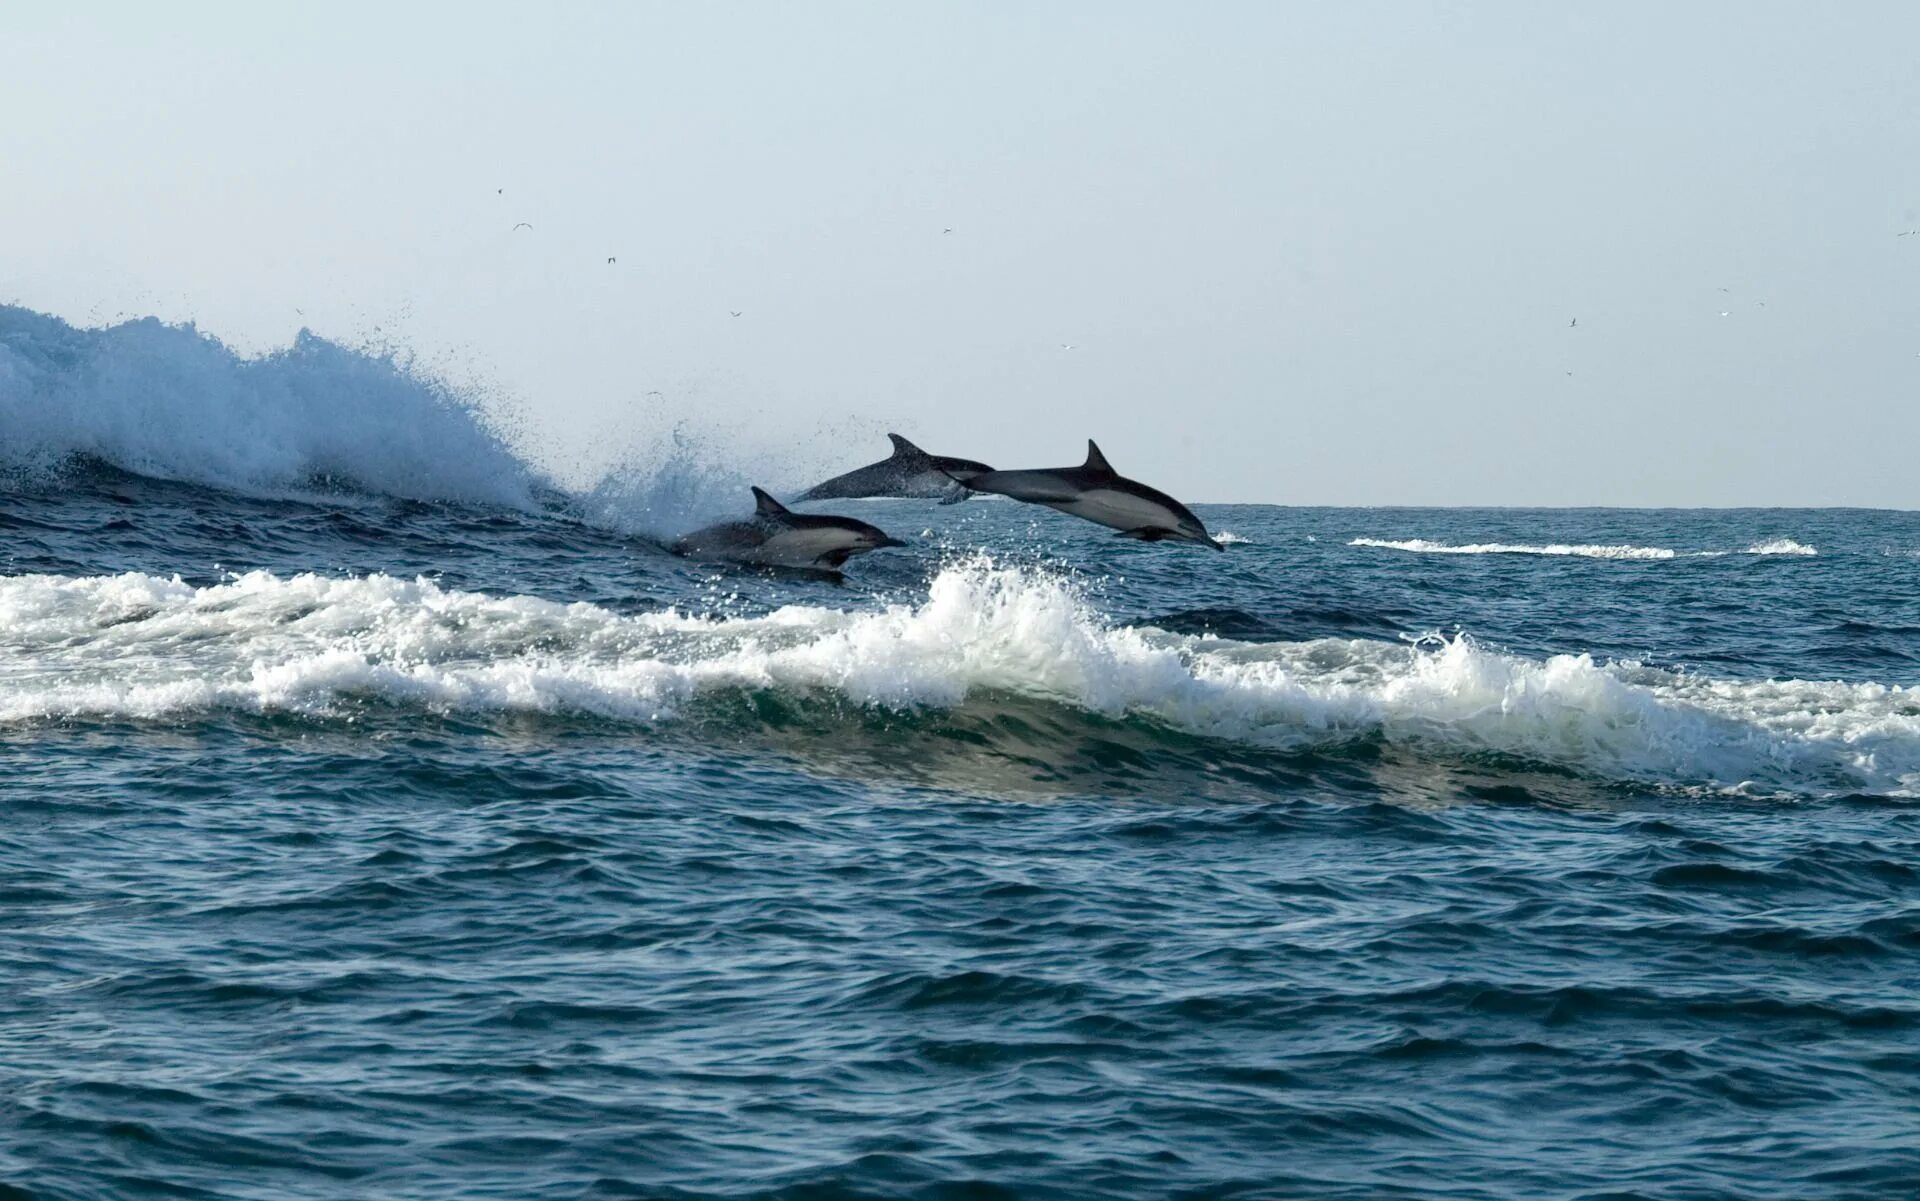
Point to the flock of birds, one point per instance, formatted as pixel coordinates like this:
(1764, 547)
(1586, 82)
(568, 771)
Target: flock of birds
(776, 536)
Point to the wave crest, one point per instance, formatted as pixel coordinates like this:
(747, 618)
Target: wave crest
(143, 646)
(1423, 546)
(1781, 546)
(172, 402)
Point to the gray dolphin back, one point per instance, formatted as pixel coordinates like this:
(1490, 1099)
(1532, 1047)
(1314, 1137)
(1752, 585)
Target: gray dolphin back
(908, 471)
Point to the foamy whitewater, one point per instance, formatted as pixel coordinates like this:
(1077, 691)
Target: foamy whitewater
(386, 816)
(1777, 546)
(136, 645)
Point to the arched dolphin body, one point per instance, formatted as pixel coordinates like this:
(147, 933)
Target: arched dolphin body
(775, 536)
(909, 471)
(1095, 491)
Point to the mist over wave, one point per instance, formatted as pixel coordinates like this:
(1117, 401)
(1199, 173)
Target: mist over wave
(175, 403)
(136, 645)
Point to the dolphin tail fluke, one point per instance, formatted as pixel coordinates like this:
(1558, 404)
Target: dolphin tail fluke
(765, 506)
(1097, 461)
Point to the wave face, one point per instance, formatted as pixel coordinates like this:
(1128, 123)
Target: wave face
(171, 402)
(139, 646)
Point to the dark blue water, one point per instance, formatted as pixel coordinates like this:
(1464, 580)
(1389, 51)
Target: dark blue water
(482, 902)
(357, 846)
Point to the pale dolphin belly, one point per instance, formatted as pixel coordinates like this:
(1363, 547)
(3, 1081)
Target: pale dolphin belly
(1117, 510)
(802, 548)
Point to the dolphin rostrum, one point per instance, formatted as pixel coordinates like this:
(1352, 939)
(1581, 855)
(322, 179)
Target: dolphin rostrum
(909, 471)
(775, 536)
(1095, 491)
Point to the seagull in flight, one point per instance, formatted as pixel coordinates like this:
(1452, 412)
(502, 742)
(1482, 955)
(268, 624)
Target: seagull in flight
(522, 225)
(947, 230)
(611, 259)
(735, 312)
(1573, 323)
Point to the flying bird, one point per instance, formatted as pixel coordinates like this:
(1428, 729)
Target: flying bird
(610, 258)
(522, 225)
(1571, 324)
(947, 230)
(735, 312)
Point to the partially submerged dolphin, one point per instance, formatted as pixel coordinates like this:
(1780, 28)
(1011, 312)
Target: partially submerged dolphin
(909, 471)
(1095, 491)
(775, 536)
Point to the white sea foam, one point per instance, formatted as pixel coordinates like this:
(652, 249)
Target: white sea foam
(1781, 546)
(143, 646)
(169, 401)
(1423, 546)
(1229, 538)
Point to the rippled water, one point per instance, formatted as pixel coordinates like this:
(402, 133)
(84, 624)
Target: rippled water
(356, 847)
(379, 819)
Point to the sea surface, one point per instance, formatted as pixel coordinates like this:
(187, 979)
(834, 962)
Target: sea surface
(379, 820)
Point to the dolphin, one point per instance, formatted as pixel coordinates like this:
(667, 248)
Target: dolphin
(909, 471)
(1095, 491)
(775, 536)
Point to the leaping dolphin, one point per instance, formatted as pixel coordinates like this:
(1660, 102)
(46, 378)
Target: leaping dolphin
(775, 536)
(909, 471)
(1095, 491)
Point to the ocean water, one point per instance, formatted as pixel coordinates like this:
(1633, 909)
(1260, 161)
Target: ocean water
(379, 820)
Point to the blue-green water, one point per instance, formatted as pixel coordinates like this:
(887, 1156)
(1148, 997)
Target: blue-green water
(357, 846)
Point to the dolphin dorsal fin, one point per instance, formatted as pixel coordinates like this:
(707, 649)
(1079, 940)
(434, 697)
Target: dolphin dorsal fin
(1097, 461)
(766, 506)
(903, 449)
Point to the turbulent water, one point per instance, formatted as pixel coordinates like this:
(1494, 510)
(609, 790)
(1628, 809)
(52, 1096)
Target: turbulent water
(382, 821)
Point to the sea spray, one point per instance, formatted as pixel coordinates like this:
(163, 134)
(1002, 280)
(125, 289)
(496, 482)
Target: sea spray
(173, 402)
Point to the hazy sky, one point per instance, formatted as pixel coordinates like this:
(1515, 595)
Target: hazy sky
(1306, 254)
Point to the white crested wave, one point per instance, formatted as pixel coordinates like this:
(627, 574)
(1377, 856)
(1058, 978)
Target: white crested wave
(1781, 546)
(1423, 546)
(143, 646)
(1777, 546)
(172, 402)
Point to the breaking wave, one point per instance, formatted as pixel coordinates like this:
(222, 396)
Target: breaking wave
(171, 402)
(1423, 546)
(1778, 546)
(148, 647)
